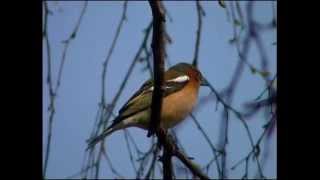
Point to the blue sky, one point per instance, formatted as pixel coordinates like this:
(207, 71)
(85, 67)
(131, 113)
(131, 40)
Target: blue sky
(80, 91)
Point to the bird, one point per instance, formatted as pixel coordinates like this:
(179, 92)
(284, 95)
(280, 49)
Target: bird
(181, 88)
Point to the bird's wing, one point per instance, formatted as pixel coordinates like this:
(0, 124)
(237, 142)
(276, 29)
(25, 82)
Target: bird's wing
(142, 99)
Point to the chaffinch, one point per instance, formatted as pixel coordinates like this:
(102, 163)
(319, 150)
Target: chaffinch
(181, 82)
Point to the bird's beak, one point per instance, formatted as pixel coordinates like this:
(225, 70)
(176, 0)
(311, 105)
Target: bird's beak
(204, 82)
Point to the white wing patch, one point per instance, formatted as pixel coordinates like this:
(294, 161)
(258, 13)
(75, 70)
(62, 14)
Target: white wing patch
(180, 79)
(151, 88)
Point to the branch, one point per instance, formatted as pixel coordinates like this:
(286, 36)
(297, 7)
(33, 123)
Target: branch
(50, 84)
(200, 14)
(144, 159)
(256, 150)
(67, 43)
(103, 119)
(129, 150)
(254, 107)
(167, 164)
(158, 64)
(269, 87)
(153, 162)
(103, 110)
(227, 108)
(168, 145)
(158, 49)
(105, 63)
(53, 92)
(114, 171)
(215, 152)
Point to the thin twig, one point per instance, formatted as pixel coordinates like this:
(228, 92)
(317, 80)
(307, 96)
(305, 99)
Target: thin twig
(144, 159)
(113, 170)
(106, 118)
(215, 152)
(256, 150)
(67, 43)
(51, 93)
(113, 44)
(200, 14)
(243, 53)
(269, 86)
(103, 104)
(153, 162)
(130, 151)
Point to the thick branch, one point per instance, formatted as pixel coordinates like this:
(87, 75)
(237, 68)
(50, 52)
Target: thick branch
(158, 48)
(167, 164)
(158, 62)
(170, 146)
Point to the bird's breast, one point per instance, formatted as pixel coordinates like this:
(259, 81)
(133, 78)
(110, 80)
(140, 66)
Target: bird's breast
(177, 106)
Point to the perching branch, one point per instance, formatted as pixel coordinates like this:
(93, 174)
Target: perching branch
(169, 147)
(158, 49)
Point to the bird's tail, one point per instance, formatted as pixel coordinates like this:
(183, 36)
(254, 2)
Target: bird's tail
(93, 141)
(114, 127)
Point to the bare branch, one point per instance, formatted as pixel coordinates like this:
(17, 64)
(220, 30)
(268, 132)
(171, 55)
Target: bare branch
(67, 43)
(104, 118)
(158, 49)
(215, 152)
(107, 108)
(130, 151)
(105, 63)
(256, 150)
(200, 14)
(153, 162)
(114, 171)
(168, 144)
(51, 93)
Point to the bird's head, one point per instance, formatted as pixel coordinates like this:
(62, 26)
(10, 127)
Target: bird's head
(190, 70)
